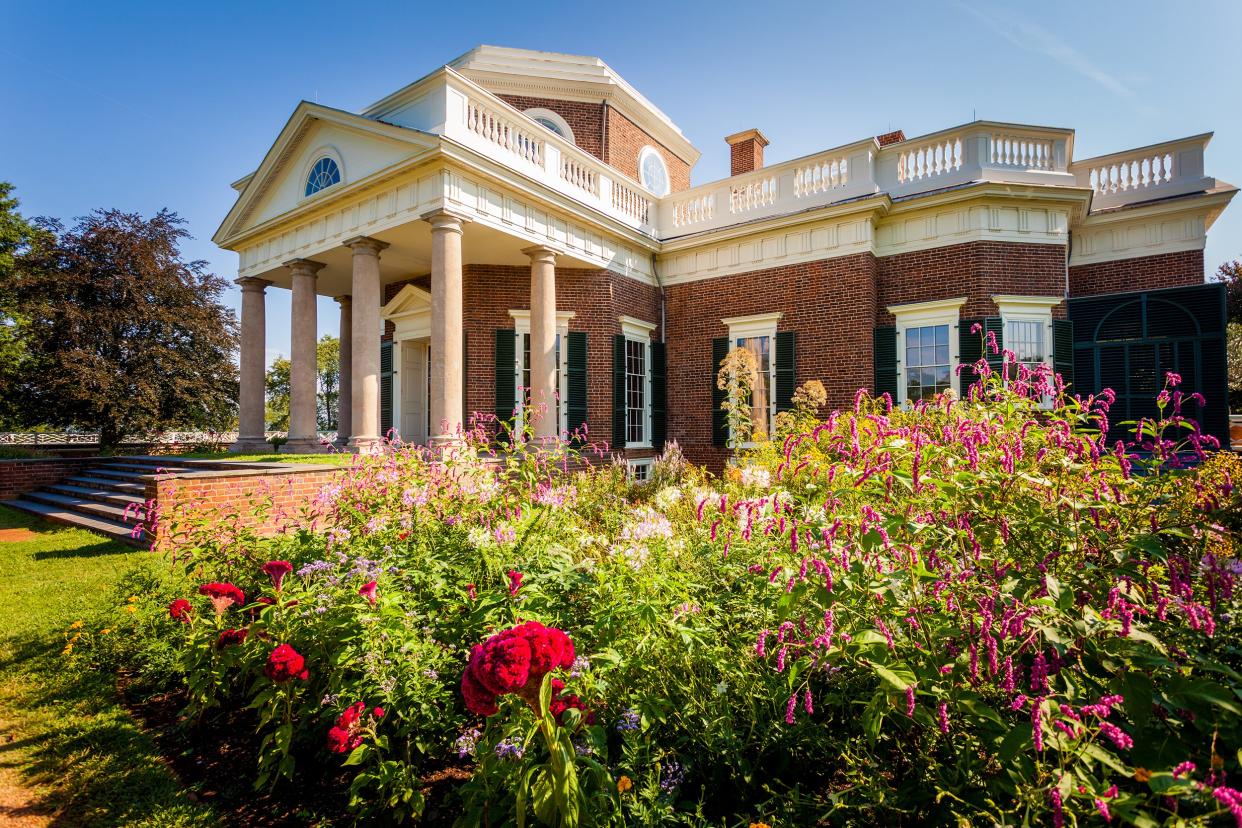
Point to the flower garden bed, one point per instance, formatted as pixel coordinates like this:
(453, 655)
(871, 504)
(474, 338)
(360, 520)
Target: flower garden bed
(972, 612)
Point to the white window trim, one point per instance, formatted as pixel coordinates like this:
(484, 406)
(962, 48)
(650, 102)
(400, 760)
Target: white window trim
(920, 314)
(1030, 309)
(325, 151)
(521, 326)
(540, 112)
(745, 327)
(636, 330)
(642, 463)
(643, 154)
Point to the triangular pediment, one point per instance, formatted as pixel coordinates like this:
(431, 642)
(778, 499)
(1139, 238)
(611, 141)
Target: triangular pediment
(409, 300)
(360, 147)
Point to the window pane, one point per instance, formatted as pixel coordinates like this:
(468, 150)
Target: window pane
(523, 395)
(761, 385)
(928, 369)
(635, 391)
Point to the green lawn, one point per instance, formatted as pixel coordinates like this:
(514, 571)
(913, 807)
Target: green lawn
(68, 738)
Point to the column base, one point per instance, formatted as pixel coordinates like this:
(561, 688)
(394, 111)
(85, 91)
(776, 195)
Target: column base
(303, 445)
(251, 445)
(365, 445)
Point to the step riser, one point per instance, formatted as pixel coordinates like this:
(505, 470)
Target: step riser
(107, 496)
(106, 528)
(101, 484)
(89, 508)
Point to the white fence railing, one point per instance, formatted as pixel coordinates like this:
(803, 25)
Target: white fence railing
(164, 438)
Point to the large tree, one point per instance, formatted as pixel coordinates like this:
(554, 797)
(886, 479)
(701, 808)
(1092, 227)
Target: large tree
(328, 367)
(1231, 274)
(16, 235)
(120, 333)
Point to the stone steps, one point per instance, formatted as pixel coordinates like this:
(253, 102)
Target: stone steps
(106, 497)
(109, 528)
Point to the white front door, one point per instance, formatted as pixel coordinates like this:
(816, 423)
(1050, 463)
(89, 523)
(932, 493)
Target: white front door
(415, 390)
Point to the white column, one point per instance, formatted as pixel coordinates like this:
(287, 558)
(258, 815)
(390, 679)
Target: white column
(252, 396)
(446, 327)
(345, 380)
(365, 384)
(543, 389)
(303, 364)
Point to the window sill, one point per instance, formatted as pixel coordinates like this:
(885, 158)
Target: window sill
(645, 445)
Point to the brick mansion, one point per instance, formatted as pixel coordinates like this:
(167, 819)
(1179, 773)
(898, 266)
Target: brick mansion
(521, 222)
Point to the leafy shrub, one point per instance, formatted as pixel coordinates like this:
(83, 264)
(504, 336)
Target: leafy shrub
(971, 612)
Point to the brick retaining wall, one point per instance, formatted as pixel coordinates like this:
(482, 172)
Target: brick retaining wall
(18, 476)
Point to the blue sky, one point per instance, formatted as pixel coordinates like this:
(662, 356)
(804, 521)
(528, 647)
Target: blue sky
(147, 105)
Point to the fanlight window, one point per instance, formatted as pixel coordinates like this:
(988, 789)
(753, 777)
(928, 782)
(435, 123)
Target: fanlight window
(324, 174)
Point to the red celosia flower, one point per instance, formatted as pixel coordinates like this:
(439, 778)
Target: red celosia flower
(378, 712)
(515, 581)
(277, 570)
(368, 591)
(286, 664)
(561, 702)
(514, 661)
(230, 637)
(181, 610)
(222, 596)
(349, 731)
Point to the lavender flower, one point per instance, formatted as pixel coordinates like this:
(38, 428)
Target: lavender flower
(510, 748)
(629, 720)
(672, 776)
(467, 742)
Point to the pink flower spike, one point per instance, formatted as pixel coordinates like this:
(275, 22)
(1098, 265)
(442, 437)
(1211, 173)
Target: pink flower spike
(368, 591)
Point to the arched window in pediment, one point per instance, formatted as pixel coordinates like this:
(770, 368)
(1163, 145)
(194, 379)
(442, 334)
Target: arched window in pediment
(324, 174)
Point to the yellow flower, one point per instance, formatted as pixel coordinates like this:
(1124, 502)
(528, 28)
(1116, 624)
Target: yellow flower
(624, 784)
(760, 825)
(1142, 774)
(131, 608)
(69, 647)
(76, 625)
(133, 599)
(105, 631)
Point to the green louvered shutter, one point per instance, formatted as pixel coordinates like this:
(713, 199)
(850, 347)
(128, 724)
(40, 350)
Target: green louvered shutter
(786, 370)
(720, 424)
(506, 390)
(659, 395)
(576, 381)
(884, 343)
(385, 388)
(618, 392)
(1063, 349)
(972, 346)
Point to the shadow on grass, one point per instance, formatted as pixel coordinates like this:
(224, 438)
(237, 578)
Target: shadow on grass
(102, 768)
(94, 550)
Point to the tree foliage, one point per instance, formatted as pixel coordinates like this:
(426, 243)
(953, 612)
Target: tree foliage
(1231, 274)
(16, 235)
(120, 333)
(328, 367)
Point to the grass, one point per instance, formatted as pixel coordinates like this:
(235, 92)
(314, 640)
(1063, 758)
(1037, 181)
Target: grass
(70, 741)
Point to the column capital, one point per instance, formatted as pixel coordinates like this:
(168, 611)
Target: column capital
(443, 219)
(306, 266)
(541, 253)
(344, 300)
(365, 245)
(250, 284)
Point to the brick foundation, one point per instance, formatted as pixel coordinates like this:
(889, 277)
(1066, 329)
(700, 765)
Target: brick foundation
(18, 476)
(263, 501)
(1142, 273)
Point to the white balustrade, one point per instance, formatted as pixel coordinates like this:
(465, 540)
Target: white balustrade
(820, 176)
(698, 208)
(1021, 151)
(919, 163)
(1156, 171)
(630, 202)
(751, 195)
(580, 175)
(1132, 174)
(507, 133)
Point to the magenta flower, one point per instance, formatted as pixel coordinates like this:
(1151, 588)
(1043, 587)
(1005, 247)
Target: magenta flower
(277, 570)
(515, 582)
(944, 717)
(368, 591)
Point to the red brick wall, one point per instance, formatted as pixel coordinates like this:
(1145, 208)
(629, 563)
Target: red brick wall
(265, 502)
(1141, 273)
(829, 304)
(625, 139)
(597, 298)
(976, 270)
(585, 119)
(19, 476)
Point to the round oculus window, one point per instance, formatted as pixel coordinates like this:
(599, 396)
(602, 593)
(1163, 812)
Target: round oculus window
(652, 171)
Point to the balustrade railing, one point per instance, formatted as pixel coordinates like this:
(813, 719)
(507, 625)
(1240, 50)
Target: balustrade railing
(630, 202)
(579, 175)
(1155, 171)
(507, 133)
(751, 195)
(821, 175)
(918, 163)
(697, 208)
(1021, 151)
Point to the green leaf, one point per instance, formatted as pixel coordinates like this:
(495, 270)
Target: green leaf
(356, 756)
(899, 677)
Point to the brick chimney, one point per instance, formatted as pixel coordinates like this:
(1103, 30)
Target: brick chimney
(746, 151)
(894, 137)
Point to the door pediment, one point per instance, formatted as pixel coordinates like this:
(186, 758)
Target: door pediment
(409, 312)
